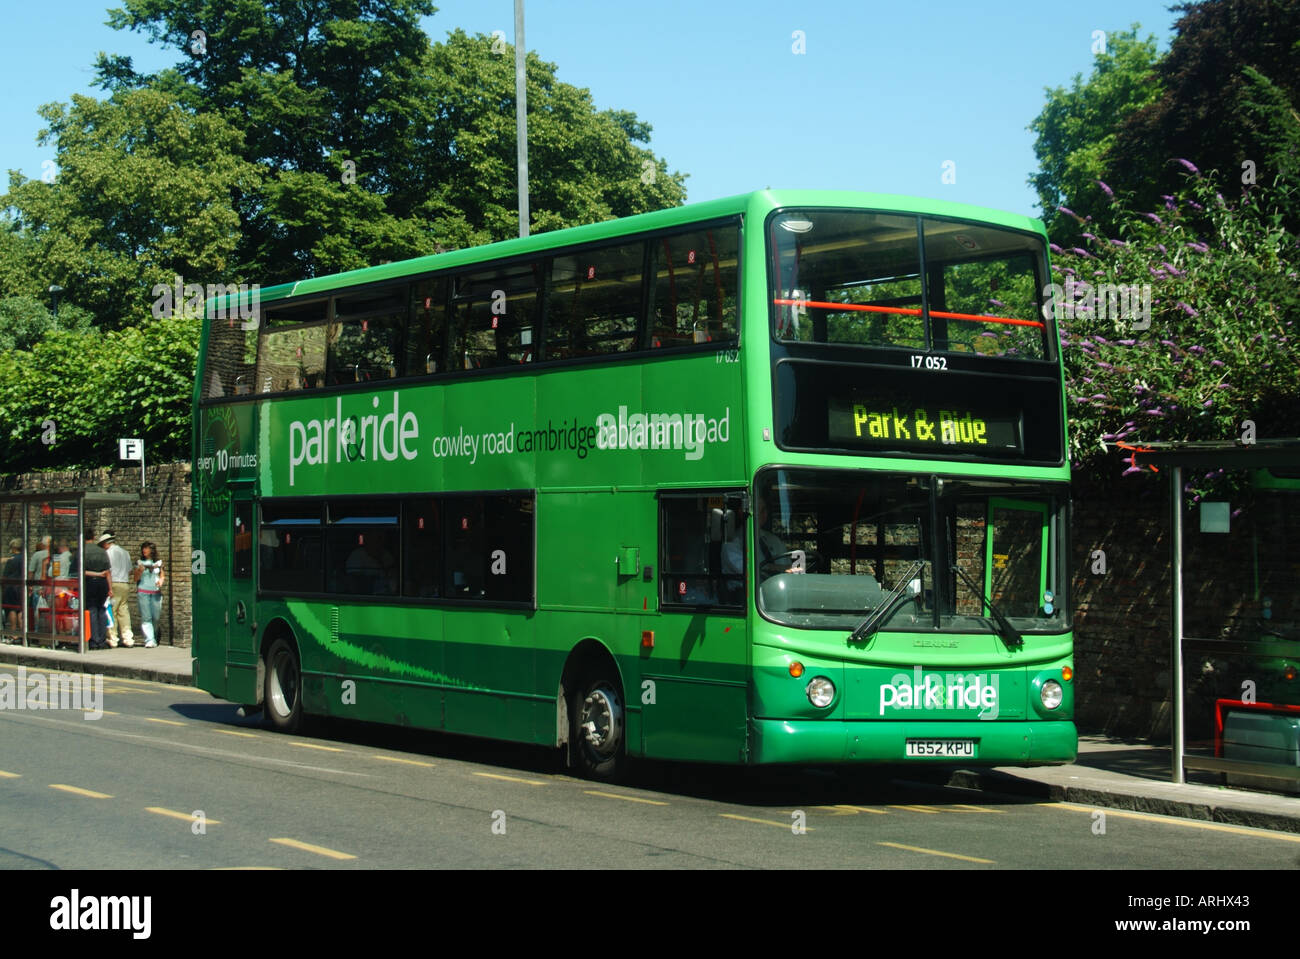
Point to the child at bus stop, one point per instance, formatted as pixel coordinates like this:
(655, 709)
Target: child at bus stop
(149, 576)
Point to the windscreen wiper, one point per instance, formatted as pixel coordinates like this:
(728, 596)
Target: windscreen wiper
(886, 609)
(1006, 630)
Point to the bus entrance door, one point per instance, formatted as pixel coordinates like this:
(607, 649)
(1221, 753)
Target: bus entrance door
(241, 624)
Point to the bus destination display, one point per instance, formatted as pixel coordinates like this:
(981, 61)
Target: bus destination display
(876, 422)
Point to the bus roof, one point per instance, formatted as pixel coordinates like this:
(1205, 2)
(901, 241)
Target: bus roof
(756, 203)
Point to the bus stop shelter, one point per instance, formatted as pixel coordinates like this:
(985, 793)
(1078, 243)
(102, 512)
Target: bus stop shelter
(42, 534)
(1247, 681)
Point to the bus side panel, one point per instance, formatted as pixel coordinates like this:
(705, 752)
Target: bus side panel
(585, 543)
(491, 669)
(463, 670)
(694, 690)
(381, 663)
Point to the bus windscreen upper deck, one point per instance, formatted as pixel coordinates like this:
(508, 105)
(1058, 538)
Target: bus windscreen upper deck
(891, 280)
(897, 334)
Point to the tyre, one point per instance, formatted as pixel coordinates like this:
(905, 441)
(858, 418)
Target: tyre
(282, 692)
(598, 732)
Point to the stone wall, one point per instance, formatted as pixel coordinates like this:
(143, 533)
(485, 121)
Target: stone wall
(162, 516)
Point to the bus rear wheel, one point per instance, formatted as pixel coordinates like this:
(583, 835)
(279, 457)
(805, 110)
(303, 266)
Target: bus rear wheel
(282, 692)
(598, 732)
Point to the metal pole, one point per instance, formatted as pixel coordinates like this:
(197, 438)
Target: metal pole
(24, 592)
(1176, 591)
(521, 116)
(171, 551)
(81, 574)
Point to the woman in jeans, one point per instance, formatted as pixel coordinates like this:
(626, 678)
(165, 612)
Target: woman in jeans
(148, 574)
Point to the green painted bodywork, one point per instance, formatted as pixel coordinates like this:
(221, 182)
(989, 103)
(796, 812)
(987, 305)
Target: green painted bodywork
(715, 686)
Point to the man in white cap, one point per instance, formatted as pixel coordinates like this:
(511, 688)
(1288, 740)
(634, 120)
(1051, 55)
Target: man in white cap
(120, 564)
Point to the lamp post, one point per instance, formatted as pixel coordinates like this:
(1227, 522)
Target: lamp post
(521, 116)
(54, 292)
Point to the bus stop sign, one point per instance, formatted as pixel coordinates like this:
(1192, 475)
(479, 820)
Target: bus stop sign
(132, 449)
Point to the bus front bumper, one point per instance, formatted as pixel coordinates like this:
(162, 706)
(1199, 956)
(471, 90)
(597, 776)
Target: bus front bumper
(1007, 743)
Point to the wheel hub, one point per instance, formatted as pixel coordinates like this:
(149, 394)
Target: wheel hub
(601, 721)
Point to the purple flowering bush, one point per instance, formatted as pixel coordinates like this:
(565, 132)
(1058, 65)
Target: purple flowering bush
(1221, 345)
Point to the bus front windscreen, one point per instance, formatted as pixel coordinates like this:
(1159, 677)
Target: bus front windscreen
(832, 546)
(867, 279)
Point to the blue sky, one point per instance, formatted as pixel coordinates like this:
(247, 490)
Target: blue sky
(884, 94)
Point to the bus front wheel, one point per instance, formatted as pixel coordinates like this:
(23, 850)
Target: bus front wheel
(282, 695)
(599, 728)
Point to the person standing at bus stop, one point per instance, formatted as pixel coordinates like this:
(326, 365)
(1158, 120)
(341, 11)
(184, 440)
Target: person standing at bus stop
(99, 579)
(12, 574)
(120, 561)
(40, 593)
(60, 558)
(37, 563)
(148, 575)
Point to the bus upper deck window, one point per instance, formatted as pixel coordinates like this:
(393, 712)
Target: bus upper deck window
(495, 312)
(594, 302)
(695, 292)
(292, 347)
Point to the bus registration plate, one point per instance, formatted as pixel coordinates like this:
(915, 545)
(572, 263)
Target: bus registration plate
(956, 748)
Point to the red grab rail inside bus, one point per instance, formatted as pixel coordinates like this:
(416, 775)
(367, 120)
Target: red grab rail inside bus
(908, 311)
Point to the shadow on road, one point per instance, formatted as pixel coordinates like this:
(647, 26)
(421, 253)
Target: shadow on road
(760, 787)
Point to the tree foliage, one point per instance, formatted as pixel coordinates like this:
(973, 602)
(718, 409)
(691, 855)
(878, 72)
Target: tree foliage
(1220, 347)
(375, 144)
(1224, 96)
(25, 320)
(66, 401)
(1218, 250)
(1077, 128)
(584, 165)
(291, 138)
(1204, 110)
(144, 190)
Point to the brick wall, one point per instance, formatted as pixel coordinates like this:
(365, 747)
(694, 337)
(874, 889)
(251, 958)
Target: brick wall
(1123, 616)
(162, 515)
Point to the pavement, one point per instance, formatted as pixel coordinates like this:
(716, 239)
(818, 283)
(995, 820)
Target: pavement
(1109, 773)
(162, 664)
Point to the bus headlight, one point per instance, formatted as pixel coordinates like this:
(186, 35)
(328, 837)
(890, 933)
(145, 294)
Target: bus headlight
(1051, 694)
(821, 691)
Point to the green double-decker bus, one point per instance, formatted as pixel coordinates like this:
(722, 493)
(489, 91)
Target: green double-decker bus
(779, 478)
